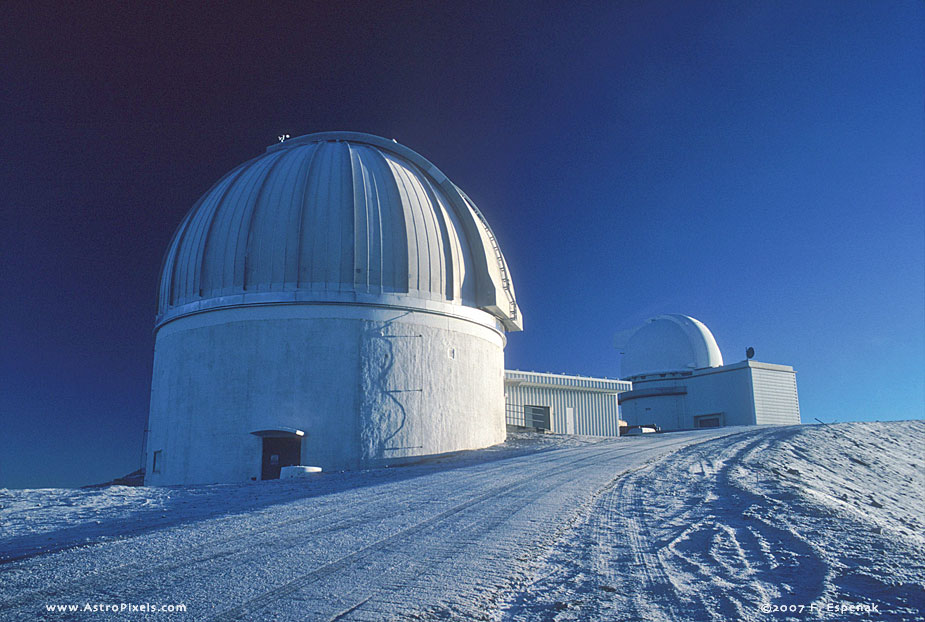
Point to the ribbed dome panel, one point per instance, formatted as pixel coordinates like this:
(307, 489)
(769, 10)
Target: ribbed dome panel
(345, 213)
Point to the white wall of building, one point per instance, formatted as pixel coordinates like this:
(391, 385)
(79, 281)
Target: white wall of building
(745, 393)
(367, 385)
(578, 405)
(667, 411)
(775, 391)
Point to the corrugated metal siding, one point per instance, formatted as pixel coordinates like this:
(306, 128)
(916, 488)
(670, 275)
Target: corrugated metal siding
(776, 400)
(597, 412)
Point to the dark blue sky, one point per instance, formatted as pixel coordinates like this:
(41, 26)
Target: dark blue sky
(757, 165)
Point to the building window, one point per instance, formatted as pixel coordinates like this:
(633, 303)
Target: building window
(158, 460)
(537, 417)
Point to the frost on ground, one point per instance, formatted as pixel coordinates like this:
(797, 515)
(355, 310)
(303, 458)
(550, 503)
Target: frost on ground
(51, 519)
(683, 526)
(445, 538)
(782, 523)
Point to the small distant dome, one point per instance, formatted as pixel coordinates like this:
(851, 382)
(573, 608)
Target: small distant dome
(335, 217)
(670, 343)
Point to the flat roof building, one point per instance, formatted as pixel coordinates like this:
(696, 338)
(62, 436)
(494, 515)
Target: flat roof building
(680, 382)
(563, 404)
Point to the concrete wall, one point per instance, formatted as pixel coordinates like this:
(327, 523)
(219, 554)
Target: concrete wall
(367, 385)
(725, 390)
(665, 411)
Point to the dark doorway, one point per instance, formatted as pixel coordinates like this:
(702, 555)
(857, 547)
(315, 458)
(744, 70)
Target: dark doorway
(277, 453)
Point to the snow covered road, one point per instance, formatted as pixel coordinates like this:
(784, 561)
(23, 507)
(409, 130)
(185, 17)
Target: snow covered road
(731, 524)
(447, 539)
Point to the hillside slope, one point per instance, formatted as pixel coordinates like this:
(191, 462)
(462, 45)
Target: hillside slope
(812, 522)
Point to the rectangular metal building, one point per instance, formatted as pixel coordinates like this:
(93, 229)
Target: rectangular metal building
(744, 393)
(563, 404)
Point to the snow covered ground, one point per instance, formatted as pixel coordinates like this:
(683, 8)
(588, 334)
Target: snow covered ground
(722, 525)
(794, 523)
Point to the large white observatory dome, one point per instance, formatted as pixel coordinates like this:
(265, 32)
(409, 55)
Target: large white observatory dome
(670, 343)
(335, 216)
(333, 302)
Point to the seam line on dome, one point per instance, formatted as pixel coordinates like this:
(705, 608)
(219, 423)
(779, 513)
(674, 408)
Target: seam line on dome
(302, 209)
(359, 189)
(409, 210)
(239, 212)
(285, 193)
(446, 255)
(248, 250)
(208, 232)
(172, 295)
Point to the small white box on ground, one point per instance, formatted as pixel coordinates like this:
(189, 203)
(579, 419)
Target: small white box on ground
(289, 472)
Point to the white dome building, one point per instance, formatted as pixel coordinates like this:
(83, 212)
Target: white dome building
(679, 381)
(335, 301)
(670, 343)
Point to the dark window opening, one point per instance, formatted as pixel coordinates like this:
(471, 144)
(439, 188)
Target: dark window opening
(537, 417)
(156, 464)
(708, 421)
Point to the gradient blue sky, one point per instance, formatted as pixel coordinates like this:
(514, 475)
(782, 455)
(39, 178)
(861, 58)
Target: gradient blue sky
(757, 165)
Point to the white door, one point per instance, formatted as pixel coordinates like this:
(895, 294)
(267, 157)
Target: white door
(569, 420)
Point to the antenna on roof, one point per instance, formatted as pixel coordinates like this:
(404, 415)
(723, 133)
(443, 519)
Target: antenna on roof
(282, 137)
(749, 352)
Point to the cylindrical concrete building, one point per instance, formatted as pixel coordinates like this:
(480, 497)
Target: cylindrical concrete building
(336, 301)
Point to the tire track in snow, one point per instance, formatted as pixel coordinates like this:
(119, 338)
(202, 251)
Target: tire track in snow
(504, 510)
(247, 609)
(364, 601)
(155, 525)
(714, 549)
(703, 567)
(264, 536)
(677, 540)
(236, 557)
